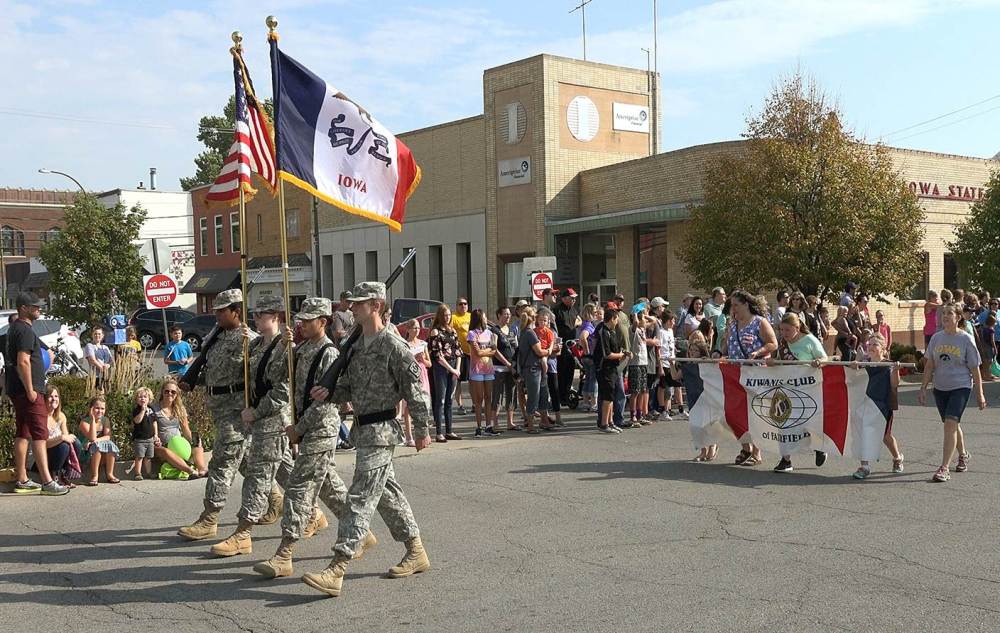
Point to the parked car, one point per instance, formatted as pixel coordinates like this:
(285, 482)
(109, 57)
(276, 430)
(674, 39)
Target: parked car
(425, 321)
(196, 329)
(405, 309)
(149, 324)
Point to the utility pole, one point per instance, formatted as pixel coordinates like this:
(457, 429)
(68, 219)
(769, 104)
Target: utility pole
(582, 8)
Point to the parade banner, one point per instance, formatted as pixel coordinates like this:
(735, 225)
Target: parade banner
(790, 409)
(333, 148)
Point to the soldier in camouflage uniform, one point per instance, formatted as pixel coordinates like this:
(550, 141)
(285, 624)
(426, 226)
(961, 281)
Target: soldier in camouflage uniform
(269, 456)
(223, 379)
(315, 432)
(381, 371)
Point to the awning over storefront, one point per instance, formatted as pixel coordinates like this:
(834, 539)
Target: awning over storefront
(616, 220)
(212, 281)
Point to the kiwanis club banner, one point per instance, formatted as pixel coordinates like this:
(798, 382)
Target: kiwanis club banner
(335, 149)
(790, 409)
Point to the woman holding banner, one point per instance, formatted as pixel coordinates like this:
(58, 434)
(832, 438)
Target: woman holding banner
(749, 336)
(952, 360)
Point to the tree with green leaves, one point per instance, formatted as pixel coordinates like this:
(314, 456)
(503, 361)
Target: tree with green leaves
(216, 132)
(976, 246)
(803, 204)
(93, 258)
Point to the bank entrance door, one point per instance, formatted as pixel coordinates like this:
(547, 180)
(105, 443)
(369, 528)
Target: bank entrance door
(605, 289)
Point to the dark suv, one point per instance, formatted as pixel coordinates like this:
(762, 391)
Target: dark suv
(196, 329)
(148, 324)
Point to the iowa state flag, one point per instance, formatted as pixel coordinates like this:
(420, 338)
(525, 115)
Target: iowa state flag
(333, 148)
(790, 408)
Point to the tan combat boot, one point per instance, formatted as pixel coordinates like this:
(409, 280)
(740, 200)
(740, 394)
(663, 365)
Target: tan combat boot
(316, 523)
(206, 525)
(237, 543)
(280, 564)
(331, 579)
(366, 544)
(274, 508)
(414, 562)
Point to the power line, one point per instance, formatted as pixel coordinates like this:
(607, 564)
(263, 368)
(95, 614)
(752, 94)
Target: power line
(75, 119)
(950, 123)
(948, 114)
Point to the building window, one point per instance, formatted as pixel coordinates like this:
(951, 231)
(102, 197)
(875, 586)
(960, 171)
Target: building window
(463, 269)
(219, 246)
(951, 272)
(919, 291)
(327, 272)
(410, 277)
(12, 241)
(234, 232)
(292, 223)
(203, 235)
(371, 265)
(348, 271)
(436, 273)
(260, 229)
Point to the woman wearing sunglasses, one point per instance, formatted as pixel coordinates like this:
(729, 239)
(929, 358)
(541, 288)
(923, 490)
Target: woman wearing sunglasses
(171, 421)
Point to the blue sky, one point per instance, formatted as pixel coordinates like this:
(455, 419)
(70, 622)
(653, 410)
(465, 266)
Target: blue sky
(105, 90)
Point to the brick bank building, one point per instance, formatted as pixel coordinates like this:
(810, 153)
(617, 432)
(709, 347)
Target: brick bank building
(560, 164)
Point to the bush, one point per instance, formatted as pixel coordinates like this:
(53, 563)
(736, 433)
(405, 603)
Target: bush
(76, 393)
(897, 351)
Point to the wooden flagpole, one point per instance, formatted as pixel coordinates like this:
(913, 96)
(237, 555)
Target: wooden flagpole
(237, 52)
(272, 27)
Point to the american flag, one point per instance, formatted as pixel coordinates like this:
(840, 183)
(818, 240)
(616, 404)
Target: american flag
(252, 150)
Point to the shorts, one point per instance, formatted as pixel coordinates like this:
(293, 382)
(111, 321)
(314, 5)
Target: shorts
(463, 371)
(607, 383)
(503, 388)
(951, 403)
(143, 448)
(636, 379)
(481, 378)
(670, 381)
(31, 419)
(652, 380)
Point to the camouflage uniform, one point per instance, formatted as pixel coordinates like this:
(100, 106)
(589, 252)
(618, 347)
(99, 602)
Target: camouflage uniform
(269, 457)
(381, 371)
(223, 368)
(314, 474)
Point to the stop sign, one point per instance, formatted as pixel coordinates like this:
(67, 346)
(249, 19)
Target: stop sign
(539, 283)
(160, 290)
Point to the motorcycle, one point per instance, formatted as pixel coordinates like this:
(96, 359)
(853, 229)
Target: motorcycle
(64, 363)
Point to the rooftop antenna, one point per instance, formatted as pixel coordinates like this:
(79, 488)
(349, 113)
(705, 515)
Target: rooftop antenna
(582, 8)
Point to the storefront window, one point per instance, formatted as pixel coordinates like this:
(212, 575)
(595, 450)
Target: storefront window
(652, 243)
(598, 265)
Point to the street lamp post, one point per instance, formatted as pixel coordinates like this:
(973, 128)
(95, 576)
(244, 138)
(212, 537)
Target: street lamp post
(649, 97)
(62, 173)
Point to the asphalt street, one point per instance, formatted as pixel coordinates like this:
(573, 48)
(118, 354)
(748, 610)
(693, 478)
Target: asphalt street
(568, 531)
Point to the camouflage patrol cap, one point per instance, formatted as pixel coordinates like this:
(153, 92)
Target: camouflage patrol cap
(269, 304)
(227, 298)
(314, 308)
(368, 290)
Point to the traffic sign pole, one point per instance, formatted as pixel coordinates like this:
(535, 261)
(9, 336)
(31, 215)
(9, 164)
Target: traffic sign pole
(163, 311)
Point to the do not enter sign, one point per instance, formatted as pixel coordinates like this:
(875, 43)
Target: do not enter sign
(540, 282)
(160, 290)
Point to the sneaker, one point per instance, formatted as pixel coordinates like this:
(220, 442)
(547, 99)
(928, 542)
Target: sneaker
(137, 477)
(615, 429)
(665, 417)
(54, 489)
(897, 465)
(492, 431)
(963, 462)
(683, 415)
(479, 432)
(462, 411)
(862, 472)
(627, 425)
(29, 487)
(942, 474)
(607, 429)
(784, 466)
(820, 458)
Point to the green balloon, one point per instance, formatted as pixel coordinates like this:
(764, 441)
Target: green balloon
(179, 446)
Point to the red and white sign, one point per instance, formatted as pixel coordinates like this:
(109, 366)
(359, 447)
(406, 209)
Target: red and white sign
(160, 290)
(540, 282)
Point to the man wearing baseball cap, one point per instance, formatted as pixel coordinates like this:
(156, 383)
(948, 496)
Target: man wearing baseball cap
(567, 320)
(25, 373)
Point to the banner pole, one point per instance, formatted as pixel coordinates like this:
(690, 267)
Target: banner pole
(238, 52)
(284, 280)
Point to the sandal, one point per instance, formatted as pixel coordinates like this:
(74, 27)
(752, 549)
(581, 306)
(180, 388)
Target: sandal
(92, 482)
(713, 452)
(112, 480)
(752, 461)
(532, 431)
(742, 458)
(514, 428)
